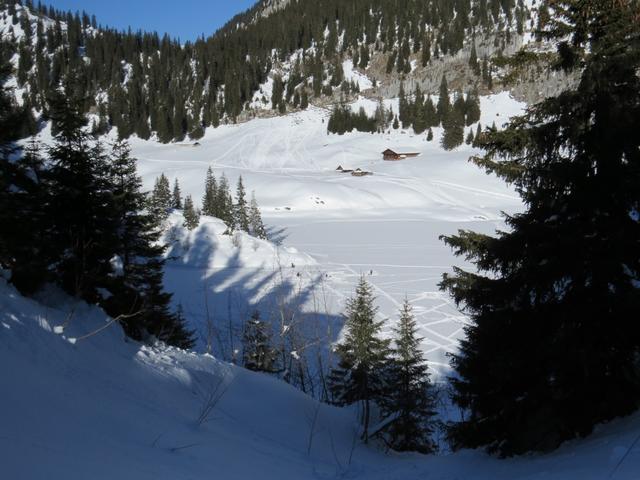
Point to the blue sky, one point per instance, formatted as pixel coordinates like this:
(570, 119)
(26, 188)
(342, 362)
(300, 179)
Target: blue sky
(186, 19)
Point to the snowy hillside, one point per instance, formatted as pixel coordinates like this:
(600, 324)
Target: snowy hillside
(105, 408)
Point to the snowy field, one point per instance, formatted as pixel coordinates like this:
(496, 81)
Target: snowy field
(384, 226)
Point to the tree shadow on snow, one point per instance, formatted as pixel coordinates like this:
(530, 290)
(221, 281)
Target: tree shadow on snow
(218, 301)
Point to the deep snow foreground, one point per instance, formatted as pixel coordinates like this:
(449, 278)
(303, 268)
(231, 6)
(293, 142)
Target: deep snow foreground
(385, 226)
(105, 408)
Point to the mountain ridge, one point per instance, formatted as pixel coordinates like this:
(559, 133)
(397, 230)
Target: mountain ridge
(142, 84)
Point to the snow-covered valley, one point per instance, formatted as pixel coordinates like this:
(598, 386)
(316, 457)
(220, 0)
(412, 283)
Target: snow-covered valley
(385, 226)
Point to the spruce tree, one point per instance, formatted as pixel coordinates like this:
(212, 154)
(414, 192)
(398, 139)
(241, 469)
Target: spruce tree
(224, 203)
(477, 136)
(258, 352)
(472, 108)
(409, 400)
(430, 113)
(191, 215)
(177, 196)
(419, 119)
(553, 342)
(444, 103)
(137, 289)
(22, 196)
(363, 357)
(473, 59)
(161, 201)
(469, 140)
(210, 204)
(81, 232)
(241, 209)
(9, 134)
(256, 226)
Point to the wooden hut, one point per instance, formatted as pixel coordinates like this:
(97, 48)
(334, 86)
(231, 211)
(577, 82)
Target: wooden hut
(391, 156)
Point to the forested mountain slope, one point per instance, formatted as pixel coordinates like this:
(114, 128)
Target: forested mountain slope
(276, 56)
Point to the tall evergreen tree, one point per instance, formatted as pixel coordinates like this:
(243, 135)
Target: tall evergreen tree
(363, 356)
(138, 292)
(81, 231)
(161, 201)
(409, 399)
(553, 344)
(444, 102)
(21, 195)
(210, 204)
(241, 209)
(473, 59)
(191, 215)
(472, 108)
(258, 351)
(224, 203)
(177, 196)
(256, 226)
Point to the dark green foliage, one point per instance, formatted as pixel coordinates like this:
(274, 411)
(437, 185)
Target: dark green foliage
(408, 399)
(210, 199)
(81, 232)
(161, 201)
(473, 59)
(224, 203)
(258, 353)
(418, 108)
(343, 120)
(256, 226)
(404, 114)
(444, 102)
(363, 356)
(453, 124)
(20, 198)
(241, 209)
(191, 215)
(472, 108)
(554, 340)
(277, 92)
(138, 294)
(430, 113)
(176, 196)
(83, 225)
(469, 139)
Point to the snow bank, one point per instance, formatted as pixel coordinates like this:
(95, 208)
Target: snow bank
(105, 408)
